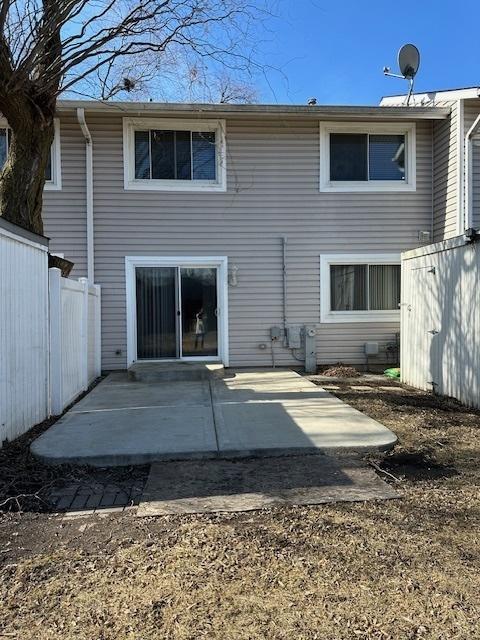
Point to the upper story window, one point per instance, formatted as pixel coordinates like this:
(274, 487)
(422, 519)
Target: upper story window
(360, 157)
(360, 288)
(53, 179)
(174, 155)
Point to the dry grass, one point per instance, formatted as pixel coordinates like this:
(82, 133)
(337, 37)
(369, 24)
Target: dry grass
(394, 570)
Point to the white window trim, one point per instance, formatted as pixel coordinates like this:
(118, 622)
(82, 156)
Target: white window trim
(329, 316)
(130, 125)
(55, 184)
(371, 186)
(220, 262)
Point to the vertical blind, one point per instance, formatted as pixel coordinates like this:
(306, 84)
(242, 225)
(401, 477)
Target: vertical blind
(175, 155)
(363, 287)
(156, 312)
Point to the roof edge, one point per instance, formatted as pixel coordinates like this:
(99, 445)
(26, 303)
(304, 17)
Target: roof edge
(256, 110)
(430, 97)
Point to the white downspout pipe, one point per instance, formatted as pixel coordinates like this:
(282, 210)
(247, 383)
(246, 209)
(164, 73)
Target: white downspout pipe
(89, 193)
(468, 173)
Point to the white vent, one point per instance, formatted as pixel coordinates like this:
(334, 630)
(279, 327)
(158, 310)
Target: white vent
(424, 236)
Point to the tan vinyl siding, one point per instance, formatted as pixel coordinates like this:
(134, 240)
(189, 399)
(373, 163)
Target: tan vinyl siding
(273, 191)
(64, 211)
(445, 167)
(472, 109)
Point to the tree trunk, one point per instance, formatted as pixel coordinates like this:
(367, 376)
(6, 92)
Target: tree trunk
(23, 176)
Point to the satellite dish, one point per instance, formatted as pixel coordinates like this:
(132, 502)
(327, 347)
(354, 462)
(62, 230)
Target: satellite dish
(408, 61)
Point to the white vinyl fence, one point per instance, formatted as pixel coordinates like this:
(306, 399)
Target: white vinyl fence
(49, 334)
(74, 338)
(23, 331)
(440, 319)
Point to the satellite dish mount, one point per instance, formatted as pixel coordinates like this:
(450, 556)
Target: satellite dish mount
(408, 63)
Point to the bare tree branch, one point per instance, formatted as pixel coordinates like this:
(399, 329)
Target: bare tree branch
(107, 47)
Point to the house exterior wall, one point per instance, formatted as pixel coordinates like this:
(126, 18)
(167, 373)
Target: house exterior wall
(471, 111)
(65, 211)
(272, 191)
(446, 173)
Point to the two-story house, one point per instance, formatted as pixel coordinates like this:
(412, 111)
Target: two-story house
(208, 225)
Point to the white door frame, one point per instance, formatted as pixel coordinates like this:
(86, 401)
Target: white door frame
(218, 262)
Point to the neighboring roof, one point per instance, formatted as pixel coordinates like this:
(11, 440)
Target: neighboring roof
(259, 110)
(430, 97)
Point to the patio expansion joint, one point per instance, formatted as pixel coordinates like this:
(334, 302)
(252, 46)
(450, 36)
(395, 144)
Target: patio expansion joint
(157, 406)
(214, 420)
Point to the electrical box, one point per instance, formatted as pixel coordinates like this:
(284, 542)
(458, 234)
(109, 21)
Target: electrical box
(294, 337)
(276, 333)
(371, 348)
(309, 337)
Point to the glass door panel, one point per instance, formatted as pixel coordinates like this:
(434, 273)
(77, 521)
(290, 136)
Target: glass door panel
(198, 288)
(156, 312)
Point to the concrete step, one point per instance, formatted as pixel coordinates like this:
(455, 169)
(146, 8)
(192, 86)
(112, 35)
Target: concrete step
(174, 371)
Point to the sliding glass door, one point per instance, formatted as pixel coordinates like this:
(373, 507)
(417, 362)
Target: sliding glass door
(176, 311)
(199, 311)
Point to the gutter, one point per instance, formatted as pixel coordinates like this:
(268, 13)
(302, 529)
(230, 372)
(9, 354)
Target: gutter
(468, 173)
(89, 195)
(328, 112)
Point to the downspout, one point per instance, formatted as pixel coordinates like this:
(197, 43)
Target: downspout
(468, 173)
(89, 193)
(284, 274)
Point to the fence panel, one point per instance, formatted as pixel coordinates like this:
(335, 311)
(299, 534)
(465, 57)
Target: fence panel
(94, 329)
(23, 332)
(440, 319)
(74, 338)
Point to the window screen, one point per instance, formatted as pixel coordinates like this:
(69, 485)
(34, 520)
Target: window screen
(386, 157)
(175, 155)
(384, 286)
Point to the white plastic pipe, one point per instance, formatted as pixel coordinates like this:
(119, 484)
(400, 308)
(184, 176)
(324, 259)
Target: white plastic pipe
(89, 193)
(468, 173)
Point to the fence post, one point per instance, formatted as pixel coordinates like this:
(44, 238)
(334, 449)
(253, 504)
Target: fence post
(98, 330)
(55, 351)
(84, 332)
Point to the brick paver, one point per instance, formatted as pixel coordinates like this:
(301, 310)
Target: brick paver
(88, 498)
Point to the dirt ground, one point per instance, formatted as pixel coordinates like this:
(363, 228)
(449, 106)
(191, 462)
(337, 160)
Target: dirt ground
(398, 569)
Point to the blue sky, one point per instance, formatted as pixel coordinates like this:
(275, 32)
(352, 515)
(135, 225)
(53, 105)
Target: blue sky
(335, 50)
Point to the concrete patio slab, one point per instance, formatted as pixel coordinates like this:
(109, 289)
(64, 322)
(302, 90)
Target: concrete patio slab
(273, 411)
(244, 413)
(243, 485)
(128, 436)
(138, 394)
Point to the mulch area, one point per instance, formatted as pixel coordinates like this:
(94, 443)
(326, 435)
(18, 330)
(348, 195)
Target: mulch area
(401, 569)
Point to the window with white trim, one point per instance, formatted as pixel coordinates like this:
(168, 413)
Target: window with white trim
(367, 157)
(174, 155)
(360, 288)
(53, 170)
